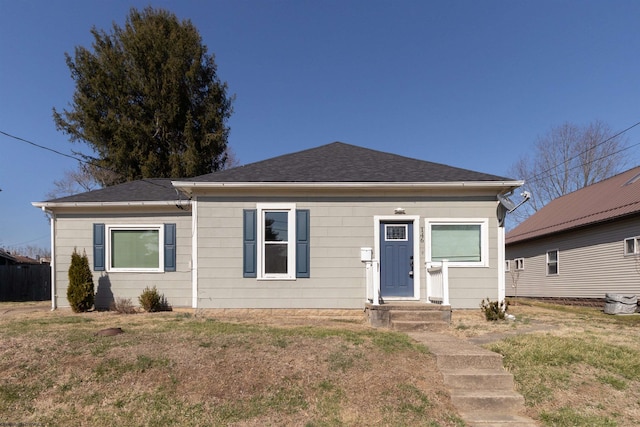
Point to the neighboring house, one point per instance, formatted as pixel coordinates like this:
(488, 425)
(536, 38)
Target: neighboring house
(581, 245)
(289, 232)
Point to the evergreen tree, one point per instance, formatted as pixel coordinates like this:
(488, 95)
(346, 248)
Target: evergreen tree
(80, 290)
(148, 100)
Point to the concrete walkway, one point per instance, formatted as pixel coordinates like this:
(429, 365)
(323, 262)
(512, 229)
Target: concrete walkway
(479, 386)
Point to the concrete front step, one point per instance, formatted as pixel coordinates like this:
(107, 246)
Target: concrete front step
(486, 379)
(488, 401)
(484, 419)
(470, 360)
(409, 316)
(418, 325)
(425, 315)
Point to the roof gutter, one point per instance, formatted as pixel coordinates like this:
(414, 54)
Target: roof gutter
(45, 205)
(348, 185)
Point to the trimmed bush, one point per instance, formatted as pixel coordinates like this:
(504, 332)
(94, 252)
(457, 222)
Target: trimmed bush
(80, 291)
(494, 310)
(151, 300)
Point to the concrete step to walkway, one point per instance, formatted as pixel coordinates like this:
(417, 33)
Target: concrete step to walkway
(486, 379)
(479, 387)
(490, 401)
(418, 325)
(483, 419)
(409, 316)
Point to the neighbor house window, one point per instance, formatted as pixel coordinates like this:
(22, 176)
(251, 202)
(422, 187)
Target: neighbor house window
(462, 242)
(135, 248)
(632, 246)
(518, 263)
(552, 262)
(507, 265)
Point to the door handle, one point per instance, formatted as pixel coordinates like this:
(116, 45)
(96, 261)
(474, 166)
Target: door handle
(411, 264)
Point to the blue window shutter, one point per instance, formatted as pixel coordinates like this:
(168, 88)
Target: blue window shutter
(302, 243)
(169, 247)
(98, 247)
(249, 247)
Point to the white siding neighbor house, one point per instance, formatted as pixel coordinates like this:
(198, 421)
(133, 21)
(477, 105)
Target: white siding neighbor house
(332, 227)
(579, 246)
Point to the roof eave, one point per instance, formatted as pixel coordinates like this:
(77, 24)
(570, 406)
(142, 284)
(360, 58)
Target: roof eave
(49, 205)
(191, 185)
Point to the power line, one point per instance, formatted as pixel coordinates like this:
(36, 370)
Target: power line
(543, 174)
(43, 147)
(83, 161)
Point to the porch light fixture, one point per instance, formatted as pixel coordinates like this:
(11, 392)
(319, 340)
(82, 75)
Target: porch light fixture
(399, 211)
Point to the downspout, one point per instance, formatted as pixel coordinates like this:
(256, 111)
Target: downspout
(52, 221)
(194, 253)
(501, 265)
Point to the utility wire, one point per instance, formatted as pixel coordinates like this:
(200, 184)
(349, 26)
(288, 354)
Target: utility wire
(544, 173)
(43, 147)
(83, 161)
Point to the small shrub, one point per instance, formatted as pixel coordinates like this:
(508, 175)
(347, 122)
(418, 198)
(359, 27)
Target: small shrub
(494, 310)
(123, 306)
(151, 300)
(80, 291)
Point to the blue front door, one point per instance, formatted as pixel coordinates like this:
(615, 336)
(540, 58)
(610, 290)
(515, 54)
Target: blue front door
(396, 259)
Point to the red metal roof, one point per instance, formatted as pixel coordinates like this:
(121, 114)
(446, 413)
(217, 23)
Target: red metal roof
(612, 198)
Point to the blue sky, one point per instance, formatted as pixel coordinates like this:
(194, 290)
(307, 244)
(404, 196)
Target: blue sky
(471, 84)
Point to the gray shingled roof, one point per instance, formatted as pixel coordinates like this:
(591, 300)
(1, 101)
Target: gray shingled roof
(335, 162)
(616, 197)
(144, 190)
(340, 162)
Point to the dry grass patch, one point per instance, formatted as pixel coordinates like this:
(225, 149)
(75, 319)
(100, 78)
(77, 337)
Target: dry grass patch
(179, 369)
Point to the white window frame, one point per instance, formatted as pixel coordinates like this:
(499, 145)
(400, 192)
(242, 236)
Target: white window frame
(636, 246)
(507, 266)
(557, 273)
(406, 231)
(484, 239)
(518, 264)
(134, 227)
(290, 208)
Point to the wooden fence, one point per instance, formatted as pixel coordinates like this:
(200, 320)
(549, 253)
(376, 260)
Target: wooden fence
(25, 282)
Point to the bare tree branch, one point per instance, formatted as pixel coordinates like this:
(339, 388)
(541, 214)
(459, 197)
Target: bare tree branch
(567, 158)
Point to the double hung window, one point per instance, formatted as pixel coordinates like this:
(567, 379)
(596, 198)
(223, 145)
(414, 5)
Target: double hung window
(552, 262)
(276, 236)
(276, 242)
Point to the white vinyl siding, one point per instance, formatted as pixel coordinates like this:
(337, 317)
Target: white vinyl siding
(73, 231)
(339, 227)
(593, 263)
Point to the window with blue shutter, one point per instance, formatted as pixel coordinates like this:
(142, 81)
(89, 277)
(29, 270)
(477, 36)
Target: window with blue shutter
(169, 247)
(98, 247)
(302, 243)
(250, 247)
